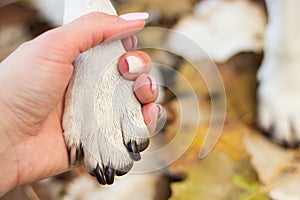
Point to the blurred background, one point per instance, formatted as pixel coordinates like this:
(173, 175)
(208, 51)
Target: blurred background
(231, 34)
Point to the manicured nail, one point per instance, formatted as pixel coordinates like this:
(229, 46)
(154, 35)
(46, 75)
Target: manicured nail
(135, 16)
(130, 43)
(135, 65)
(134, 41)
(153, 83)
(159, 110)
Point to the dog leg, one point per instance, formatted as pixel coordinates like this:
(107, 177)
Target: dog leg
(279, 87)
(102, 119)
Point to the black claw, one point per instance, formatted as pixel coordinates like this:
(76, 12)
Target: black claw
(99, 175)
(144, 145)
(289, 145)
(122, 172)
(109, 175)
(285, 144)
(92, 173)
(267, 133)
(133, 150)
(294, 145)
(80, 152)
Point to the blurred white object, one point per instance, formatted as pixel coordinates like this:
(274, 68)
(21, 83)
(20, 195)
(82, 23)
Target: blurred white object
(222, 27)
(51, 10)
(134, 187)
(279, 88)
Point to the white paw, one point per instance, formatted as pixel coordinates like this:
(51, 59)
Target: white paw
(102, 120)
(279, 106)
(279, 89)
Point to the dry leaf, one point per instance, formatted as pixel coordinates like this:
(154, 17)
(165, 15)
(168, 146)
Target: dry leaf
(277, 167)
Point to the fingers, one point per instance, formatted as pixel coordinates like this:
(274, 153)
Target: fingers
(135, 66)
(151, 113)
(130, 43)
(134, 63)
(145, 88)
(92, 29)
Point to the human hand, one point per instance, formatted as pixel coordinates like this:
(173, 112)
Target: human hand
(33, 82)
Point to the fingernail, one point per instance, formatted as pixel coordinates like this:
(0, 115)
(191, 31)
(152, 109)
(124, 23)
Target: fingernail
(153, 83)
(135, 16)
(134, 41)
(130, 43)
(159, 110)
(135, 65)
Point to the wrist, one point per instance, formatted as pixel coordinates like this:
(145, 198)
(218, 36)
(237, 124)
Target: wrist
(8, 167)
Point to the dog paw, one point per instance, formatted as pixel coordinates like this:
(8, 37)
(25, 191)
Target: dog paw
(103, 122)
(279, 109)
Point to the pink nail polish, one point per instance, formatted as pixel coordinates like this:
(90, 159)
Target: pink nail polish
(135, 65)
(134, 41)
(135, 16)
(153, 83)
(159, 110)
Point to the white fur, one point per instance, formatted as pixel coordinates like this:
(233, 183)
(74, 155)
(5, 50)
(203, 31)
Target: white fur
(101, 111)
(134, 187)
(279, 89)
(223, 28)
(51, 10)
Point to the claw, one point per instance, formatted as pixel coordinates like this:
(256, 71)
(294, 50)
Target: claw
(120, 173)
(92, 173)
(293, 144)
(267, 133)
(133, 150)
(109, 175)
(289, 145)
(99, 175)
(143, 145)
(124, 171)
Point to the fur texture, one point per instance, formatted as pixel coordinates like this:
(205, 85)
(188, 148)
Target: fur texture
(279, 88)
(101, 115)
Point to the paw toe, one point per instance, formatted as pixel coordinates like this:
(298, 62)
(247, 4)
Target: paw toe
(143, 145)
(133, 150)
(124, 170)
(98, 171)
(105, 168)
(121, 173)
(109, 175)
(291, 142)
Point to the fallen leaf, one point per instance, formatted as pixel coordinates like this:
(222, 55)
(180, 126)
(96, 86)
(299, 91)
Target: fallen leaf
(277, 168)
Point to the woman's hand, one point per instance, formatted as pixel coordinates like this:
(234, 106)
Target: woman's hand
(33, 81)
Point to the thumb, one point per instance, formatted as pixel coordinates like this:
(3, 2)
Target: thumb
(92, 29)
(37, 73)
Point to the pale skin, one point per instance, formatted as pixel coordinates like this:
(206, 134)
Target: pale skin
(33, 81)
